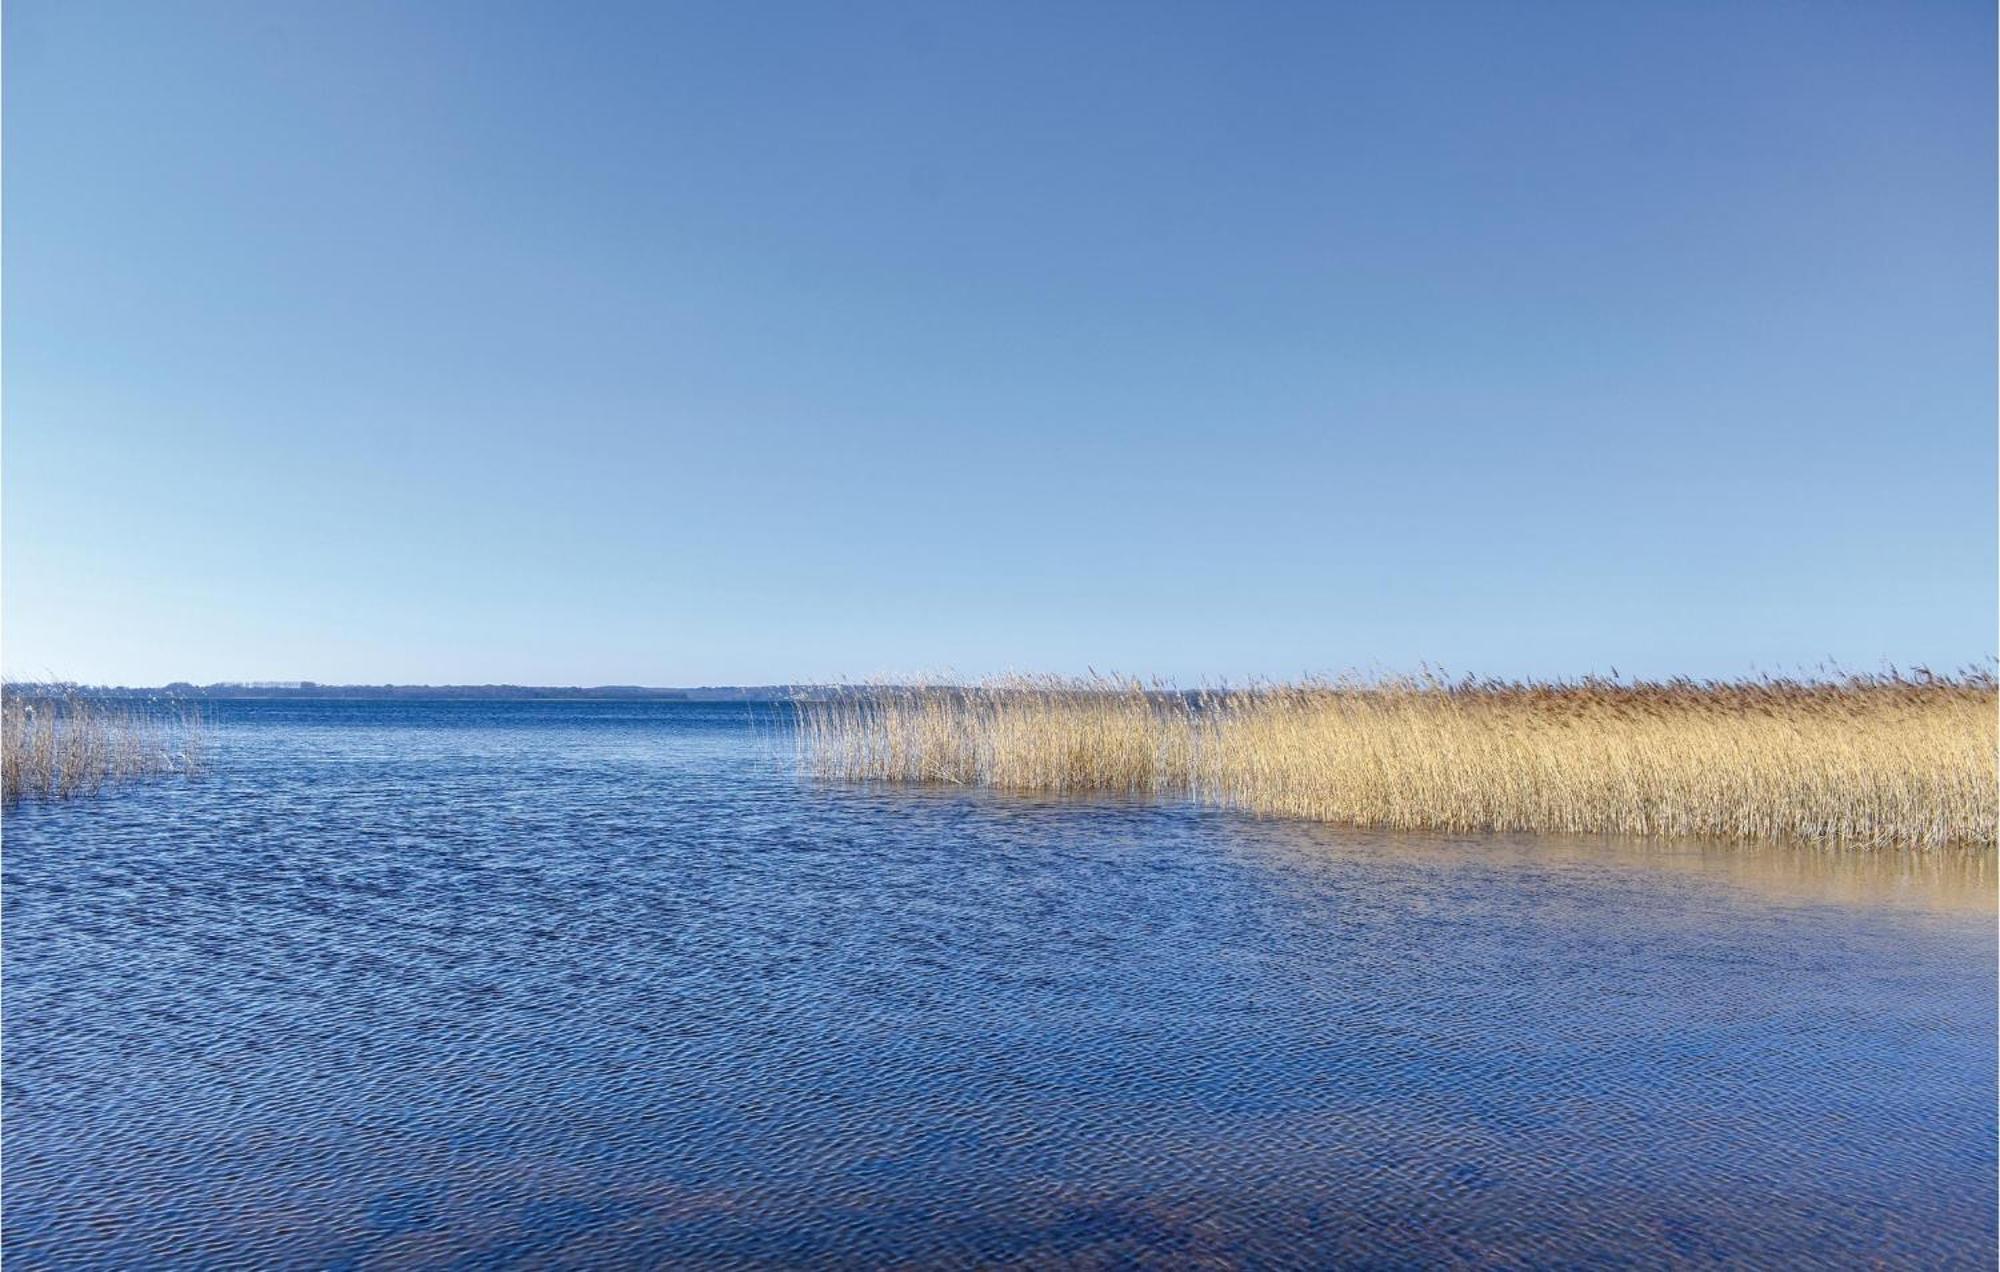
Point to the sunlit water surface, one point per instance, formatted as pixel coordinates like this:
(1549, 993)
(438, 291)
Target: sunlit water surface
(595, 983)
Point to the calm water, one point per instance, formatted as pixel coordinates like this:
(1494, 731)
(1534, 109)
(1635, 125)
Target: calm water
(556, 984)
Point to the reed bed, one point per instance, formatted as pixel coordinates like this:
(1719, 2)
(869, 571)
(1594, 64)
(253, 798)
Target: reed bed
(1884, 760)
(56, 743)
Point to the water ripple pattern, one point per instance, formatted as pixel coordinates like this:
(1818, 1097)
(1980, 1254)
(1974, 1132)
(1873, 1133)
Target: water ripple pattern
(596, 984)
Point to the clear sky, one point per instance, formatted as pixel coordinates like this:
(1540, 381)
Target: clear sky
(740, 342)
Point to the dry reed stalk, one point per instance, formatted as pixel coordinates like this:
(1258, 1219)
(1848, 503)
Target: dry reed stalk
(1867, 760)
(56, 743)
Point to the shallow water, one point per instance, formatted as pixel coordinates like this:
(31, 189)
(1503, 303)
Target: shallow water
(571, 983)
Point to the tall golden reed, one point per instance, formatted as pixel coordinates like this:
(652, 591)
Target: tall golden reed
(56, 742)
(1905, 760)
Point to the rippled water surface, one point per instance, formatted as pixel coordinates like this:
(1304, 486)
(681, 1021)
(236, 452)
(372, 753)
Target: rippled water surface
(561, 984)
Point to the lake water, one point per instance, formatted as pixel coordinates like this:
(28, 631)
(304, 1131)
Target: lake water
(606, 983)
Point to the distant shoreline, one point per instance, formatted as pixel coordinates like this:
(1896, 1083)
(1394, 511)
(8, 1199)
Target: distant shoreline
(310, 691)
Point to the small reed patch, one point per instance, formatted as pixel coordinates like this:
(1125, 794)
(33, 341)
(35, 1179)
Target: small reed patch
(1889, 760)
(56, 743)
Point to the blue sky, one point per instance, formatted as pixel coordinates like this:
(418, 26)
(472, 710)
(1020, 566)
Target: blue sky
(678, 344)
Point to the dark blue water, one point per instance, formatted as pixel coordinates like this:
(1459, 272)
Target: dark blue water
(570, 984)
